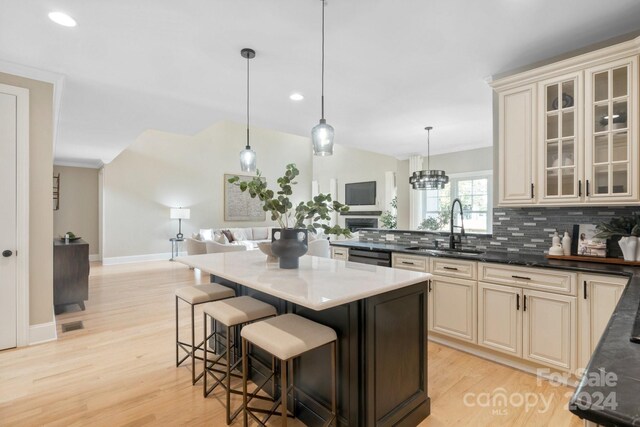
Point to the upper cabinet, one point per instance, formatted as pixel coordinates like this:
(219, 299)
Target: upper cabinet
(559, 147)
(517, 135)
(611, 157)
(567, 132)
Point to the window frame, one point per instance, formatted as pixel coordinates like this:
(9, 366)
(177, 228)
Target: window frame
(454, 179)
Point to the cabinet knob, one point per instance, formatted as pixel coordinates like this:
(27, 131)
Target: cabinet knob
(7, 253)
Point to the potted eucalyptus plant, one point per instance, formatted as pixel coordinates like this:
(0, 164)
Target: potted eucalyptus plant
(289, 242)
(627, 228)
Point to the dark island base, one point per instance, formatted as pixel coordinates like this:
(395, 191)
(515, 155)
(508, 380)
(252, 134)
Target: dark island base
(382, 359)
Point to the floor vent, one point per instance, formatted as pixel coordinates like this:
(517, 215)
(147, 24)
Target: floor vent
(72, 326)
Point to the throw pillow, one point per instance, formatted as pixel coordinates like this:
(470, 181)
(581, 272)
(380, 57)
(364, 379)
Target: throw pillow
(239, 234)
(228, 234)
(219, 237)
(206, 234)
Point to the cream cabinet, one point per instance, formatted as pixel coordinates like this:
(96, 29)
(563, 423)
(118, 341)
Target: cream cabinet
(598, 296)
(516, 136)
(568, 131)
(410, 262)
(549, 329)
(452, 307)
(537, 326)
(560, 147)
(500, 318)
(340, 253)
(611, 140)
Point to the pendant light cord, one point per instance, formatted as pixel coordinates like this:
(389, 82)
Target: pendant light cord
(322, 92)
(248, 59)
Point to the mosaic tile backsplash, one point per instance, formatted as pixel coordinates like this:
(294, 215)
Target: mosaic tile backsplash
(522, 230)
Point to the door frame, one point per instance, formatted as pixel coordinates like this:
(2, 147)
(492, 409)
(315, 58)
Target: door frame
(22, 211)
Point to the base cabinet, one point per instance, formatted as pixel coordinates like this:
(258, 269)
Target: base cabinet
(500, 318)
(549, 329)
(452, 307)
(597, 298)
(537, 326)
(340, 253)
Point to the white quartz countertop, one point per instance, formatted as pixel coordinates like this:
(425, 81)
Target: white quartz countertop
(318, 284)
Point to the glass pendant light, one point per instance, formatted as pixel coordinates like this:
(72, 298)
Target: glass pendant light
(322, 133)
(248, 156)
(428, 179)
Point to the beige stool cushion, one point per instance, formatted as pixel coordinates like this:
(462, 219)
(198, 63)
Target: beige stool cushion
(235, 311)
(204, 293)
(288, 335)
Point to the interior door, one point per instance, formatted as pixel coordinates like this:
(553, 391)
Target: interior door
(8, 242)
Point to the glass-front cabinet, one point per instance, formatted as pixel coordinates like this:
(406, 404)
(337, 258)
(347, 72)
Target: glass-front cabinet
(568, 131)
(560, 136)
(611, 146)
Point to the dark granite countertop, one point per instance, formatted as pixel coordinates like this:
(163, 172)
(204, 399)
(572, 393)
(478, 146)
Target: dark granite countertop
(609, 392)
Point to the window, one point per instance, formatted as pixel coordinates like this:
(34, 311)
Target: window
(473, 190)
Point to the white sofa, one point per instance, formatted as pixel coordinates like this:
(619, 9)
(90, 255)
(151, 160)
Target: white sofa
(213, 240)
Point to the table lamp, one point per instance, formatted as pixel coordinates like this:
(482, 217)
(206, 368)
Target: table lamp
(180, 214)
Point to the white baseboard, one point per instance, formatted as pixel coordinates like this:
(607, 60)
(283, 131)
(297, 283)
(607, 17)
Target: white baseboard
(95, 257)
(139, 258)
(42, 332)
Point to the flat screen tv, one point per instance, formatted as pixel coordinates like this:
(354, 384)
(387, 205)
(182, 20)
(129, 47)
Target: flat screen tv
(360, 193)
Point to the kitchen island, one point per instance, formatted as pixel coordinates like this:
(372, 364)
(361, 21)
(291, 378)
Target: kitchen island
(379, 314)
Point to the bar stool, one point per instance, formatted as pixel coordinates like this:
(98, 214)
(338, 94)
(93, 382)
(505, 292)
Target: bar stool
(287, 337)
(231, 313)
(195, 295)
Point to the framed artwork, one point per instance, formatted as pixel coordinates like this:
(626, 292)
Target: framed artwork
(584, 244)
(239, 206)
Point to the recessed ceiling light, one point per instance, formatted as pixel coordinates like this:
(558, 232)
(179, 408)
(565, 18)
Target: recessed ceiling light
(296, 97)
(62, 19)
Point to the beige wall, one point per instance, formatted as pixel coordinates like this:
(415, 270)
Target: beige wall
(353, 165)
(160, 170)
(78, 211)
(40, 196)
(402, 181)
(479, 159)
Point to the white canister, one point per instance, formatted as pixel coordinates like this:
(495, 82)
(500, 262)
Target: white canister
(555, 240)
(566, 244)
(629, 246)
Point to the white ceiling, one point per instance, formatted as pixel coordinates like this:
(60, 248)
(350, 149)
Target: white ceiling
(392, 67)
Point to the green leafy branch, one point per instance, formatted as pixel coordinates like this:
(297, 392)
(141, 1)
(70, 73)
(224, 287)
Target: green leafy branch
(315, 212)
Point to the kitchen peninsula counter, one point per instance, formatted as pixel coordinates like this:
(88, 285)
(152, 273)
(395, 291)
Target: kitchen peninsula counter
(379, 315)
(615, 354)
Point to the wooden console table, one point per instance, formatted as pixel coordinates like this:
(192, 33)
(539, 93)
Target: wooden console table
(70, 273)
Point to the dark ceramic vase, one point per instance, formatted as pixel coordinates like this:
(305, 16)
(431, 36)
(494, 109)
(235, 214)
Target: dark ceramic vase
(289, 246)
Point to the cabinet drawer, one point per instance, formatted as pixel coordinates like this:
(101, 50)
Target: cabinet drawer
(550, 280)
(340, 253)
(454, 268)
(410, 262)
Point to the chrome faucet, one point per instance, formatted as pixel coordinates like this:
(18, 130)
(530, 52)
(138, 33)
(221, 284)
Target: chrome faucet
(453, 239)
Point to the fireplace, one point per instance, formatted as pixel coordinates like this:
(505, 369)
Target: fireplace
(355, 224)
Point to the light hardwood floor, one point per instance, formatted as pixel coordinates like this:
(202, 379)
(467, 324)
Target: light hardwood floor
(119, 370)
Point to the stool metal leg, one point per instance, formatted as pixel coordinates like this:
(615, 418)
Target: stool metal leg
(245, 367)
(177, 335)
(193, 346)
(228, 375)
(205, 358)
(334, 388)
(283, 392)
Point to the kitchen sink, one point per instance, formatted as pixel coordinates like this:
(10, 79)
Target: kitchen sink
(444, 250)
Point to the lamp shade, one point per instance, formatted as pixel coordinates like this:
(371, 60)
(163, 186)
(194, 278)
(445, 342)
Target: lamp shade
(248, 160)
(180, 213)
(322, 139)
